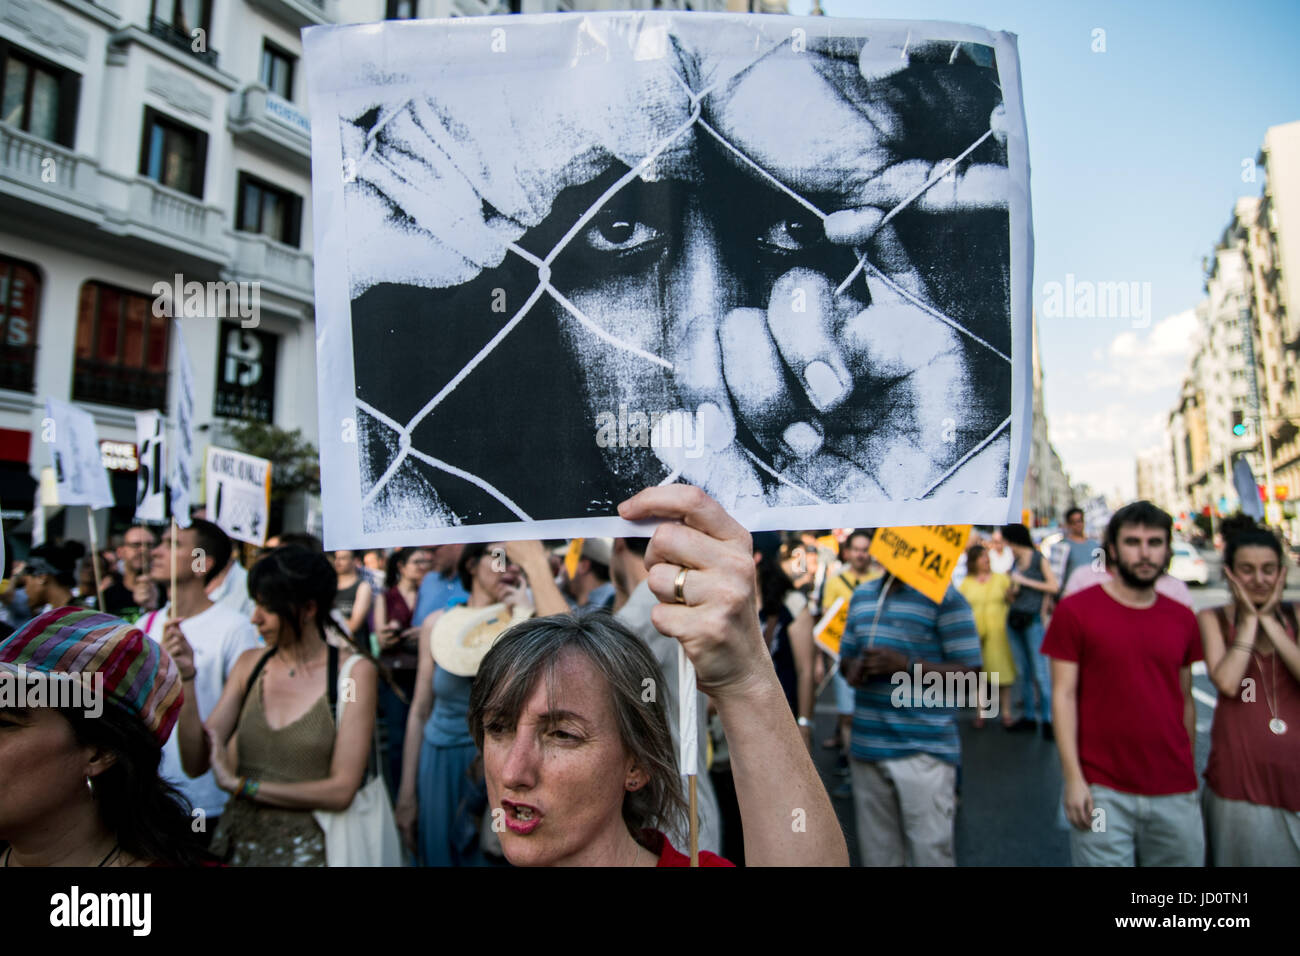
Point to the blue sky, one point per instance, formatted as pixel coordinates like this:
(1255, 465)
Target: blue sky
(1136, 157)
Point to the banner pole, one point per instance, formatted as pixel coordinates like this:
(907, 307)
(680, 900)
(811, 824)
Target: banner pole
(694, 825)
(688, 726)
(171, 596)
(94, 558)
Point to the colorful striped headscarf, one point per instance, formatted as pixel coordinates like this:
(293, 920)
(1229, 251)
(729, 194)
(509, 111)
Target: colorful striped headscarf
(138, 674)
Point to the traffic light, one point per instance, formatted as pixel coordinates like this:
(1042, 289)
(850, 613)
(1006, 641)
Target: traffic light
(1238, 422)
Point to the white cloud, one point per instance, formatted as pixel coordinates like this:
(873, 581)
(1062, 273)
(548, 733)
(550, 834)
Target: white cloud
(1153, 362)
(1107, 410)
(1114, 424)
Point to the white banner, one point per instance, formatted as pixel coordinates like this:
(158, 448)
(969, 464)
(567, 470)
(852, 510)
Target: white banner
(74, 446)
(1096, 515)
(181, 479)
(787, 260)
(150, 497)
(38, 519)
(238, 494)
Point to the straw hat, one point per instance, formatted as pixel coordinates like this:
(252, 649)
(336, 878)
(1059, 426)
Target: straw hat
(464, 635)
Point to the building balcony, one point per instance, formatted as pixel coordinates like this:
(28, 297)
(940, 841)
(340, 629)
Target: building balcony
(113, 385)
(48, 175)
(42, 182)
(281, 269)
(139, 208)
(270, 122)
(182, 41)
(297, 13)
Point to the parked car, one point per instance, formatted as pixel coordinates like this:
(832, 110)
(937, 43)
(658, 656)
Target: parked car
(1188, 565)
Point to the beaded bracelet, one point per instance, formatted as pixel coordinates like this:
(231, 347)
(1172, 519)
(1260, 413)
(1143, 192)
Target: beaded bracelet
(248, 788)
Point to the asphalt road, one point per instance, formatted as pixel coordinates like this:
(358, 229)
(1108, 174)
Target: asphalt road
(1009, 808)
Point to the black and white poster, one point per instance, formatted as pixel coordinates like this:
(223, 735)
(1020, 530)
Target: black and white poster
(563, 258)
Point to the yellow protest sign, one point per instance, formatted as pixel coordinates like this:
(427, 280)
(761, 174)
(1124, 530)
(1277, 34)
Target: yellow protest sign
(572, 557)
(923, 557)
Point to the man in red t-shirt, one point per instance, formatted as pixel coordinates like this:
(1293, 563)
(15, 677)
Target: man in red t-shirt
(1122, 705)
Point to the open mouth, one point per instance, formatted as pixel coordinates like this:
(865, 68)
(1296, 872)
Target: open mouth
(520, 817)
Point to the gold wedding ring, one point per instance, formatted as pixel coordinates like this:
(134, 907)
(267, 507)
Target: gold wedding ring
(679, 586)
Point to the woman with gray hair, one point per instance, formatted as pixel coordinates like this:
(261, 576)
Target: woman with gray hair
(576, 746)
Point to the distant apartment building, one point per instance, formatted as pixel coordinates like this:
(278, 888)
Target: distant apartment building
(1047, 493)
(1274, 243)
(1242, 379)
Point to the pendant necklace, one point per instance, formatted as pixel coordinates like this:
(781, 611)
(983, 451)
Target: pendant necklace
(1276, 724)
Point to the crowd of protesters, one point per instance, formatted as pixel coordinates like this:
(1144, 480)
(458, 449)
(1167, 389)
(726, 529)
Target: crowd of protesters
(500, 690)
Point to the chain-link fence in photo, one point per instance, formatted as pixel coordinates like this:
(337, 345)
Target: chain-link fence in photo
(628, 250)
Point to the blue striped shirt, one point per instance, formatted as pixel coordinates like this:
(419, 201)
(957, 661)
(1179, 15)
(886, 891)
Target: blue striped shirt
(887, 723)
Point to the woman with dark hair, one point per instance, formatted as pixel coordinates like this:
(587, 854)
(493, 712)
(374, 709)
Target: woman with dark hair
(440, 802)
(396, 643)
(290, 757)
(1251, 802)
(579, 761)
(787, 629)
(1032, 578)
(81, 783)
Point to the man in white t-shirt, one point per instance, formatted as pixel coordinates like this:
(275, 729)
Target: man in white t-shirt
(230, 589)
(217, 634)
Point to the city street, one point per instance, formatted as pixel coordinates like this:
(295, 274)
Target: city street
(1009, 810)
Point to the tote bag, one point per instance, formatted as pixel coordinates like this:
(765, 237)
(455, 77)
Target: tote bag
(365, 834)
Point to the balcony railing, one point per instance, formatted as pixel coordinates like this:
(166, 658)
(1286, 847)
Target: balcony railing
(115, 385)
(260, 258)
(181, 40)
(39, 164)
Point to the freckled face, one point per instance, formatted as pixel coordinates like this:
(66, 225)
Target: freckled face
(560, 774)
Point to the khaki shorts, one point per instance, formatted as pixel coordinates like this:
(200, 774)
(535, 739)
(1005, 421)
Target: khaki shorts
(905, 810)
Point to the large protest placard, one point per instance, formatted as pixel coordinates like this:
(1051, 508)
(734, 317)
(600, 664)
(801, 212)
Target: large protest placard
(181, 471)
(923, 557)
(563, 258)
(74, 446)
(238, 494)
